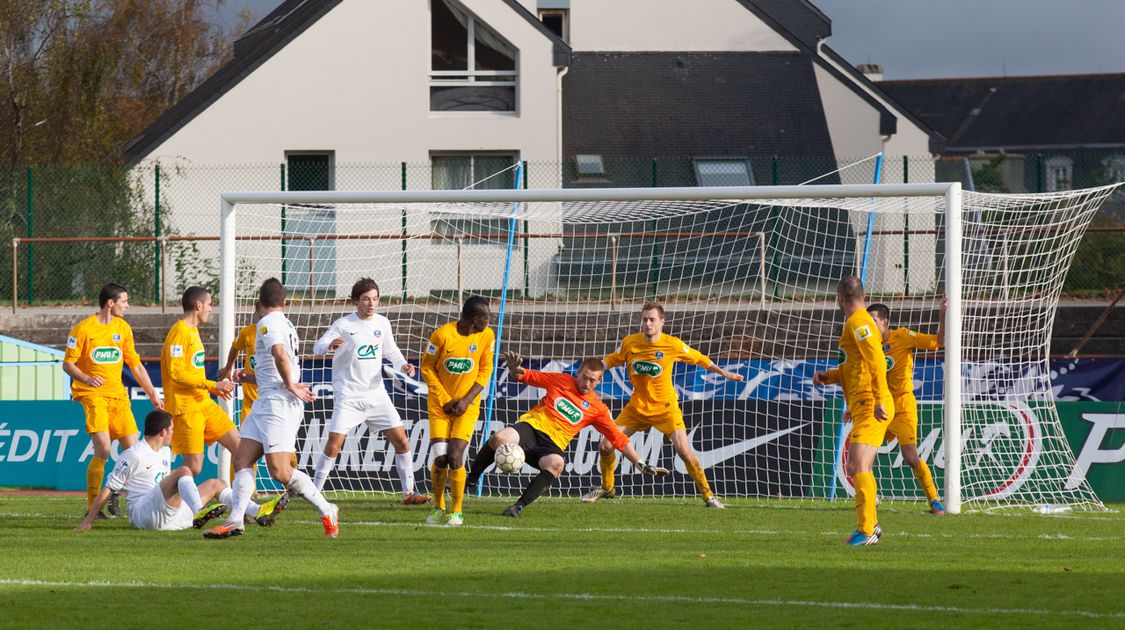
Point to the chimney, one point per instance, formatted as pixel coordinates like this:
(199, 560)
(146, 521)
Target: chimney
(873, 71)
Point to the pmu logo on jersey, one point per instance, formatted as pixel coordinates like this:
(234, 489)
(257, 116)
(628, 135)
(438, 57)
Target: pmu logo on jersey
(890, 362)
(458, 365)
(647, 368)
(367, 352)
(842, 356)
(568, 410)
(198, 359)
(253, 362)
(106, 354)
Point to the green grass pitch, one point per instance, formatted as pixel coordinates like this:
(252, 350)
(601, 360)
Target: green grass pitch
(643, 563)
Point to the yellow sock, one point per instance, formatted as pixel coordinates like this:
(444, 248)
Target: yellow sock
(438, 476)
(457, 487)
(95, 470)
(922, 472)
(696, 472)
(865, 490)
(607, 464)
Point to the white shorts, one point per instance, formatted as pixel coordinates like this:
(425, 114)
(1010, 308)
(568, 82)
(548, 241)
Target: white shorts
(378, 413)
(273, 422)
(151, 511)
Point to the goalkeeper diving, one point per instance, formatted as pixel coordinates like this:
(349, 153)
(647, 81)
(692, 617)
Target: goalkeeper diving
(544, 432)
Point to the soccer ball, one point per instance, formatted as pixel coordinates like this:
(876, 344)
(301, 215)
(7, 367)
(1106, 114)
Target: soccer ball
(509, 457)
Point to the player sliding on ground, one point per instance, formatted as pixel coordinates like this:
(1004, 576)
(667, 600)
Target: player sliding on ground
(359, 342)
(899, 346)
(95, 351)
(649, 357)
(158, 497)
(863, 373)
(271, 429)
(544, 432)
(456, 366)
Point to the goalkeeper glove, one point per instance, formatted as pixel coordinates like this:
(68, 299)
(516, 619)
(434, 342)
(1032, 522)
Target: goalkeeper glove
(655, 471)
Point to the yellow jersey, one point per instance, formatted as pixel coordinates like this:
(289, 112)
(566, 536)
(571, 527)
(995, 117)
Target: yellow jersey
(244, 342)
(101, 350)
(649, 366)
(863, 366)
(899, 350)
(453, 362)
(181, 368)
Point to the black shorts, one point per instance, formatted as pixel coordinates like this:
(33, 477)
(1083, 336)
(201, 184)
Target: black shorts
(536, 444)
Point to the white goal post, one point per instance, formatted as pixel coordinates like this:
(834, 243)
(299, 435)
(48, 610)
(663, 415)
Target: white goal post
(937, 207)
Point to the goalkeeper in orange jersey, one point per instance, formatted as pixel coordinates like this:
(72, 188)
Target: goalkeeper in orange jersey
(863, 374)
(899, 346)
(96, 349)
(545, 431)
(456, 366)
(648, 357)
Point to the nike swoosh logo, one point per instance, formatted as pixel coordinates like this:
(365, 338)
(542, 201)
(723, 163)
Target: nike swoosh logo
(719, 455)
(147, 467)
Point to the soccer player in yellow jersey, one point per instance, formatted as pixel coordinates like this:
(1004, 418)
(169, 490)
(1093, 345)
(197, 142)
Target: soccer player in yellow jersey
(95, 351)
(456, 366)
(197, 422)
(244, 343)
(648, 357)
(570, 403)
(863, 375)
(899, 346)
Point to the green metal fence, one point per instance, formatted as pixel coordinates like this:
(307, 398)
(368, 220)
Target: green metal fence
(170, 199)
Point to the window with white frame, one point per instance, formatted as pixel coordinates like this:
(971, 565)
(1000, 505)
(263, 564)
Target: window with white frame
(472, 68)
(557, 21)
(1059, 174)
(476, 171)
(723, 172)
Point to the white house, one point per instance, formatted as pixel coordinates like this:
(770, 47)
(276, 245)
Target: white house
(355, 94)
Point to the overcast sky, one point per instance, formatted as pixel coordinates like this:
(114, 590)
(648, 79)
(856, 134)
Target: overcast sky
(914, 39)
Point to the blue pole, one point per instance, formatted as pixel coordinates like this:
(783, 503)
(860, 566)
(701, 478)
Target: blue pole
(489, 407)
(837, 473)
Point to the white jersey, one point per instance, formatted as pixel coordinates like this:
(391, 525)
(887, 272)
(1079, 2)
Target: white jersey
(357, 366)
(139, 469)
(274, 329)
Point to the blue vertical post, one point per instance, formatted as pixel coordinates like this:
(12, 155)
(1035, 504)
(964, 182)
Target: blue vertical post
(489, 403)
(837, 472)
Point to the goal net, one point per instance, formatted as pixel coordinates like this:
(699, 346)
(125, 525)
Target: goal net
(747, 277)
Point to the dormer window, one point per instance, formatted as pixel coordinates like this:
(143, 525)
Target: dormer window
(472, 68)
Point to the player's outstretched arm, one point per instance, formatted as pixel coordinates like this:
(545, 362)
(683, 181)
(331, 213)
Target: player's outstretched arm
(95, 509)
(727, 374)
(330, 340)
(232, 356)
(141, 374)
(630, 454)
(515, 365)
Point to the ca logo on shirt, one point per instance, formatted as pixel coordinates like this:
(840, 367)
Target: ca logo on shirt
(366, 352)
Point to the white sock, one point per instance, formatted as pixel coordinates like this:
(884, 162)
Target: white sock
(189, 492)
(404, 462)
(226, 497)
(322, 468)
(241, 490)
(300, 484)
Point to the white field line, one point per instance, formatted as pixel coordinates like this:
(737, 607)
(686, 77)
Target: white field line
(653, 530)
(673, 599)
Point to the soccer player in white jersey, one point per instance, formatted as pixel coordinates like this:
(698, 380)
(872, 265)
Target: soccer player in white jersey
(359, 342)
(271, 428)
(160, 498)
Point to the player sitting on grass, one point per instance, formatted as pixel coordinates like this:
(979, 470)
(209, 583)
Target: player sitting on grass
(359, 342)
(545, 431)
(456, 366)
(863, 375)
(899, 345)
(271, 429)
(160, 498)
(649, 357)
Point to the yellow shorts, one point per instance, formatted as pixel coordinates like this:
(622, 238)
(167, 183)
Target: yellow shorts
(193, 430)
(632, 420)
(904, 424)
(866, 428)
(442, 427)
(114, 415)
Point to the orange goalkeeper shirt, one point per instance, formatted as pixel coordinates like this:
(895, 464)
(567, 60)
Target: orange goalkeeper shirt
(649, 365)
(563, 412)
(101, 350)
